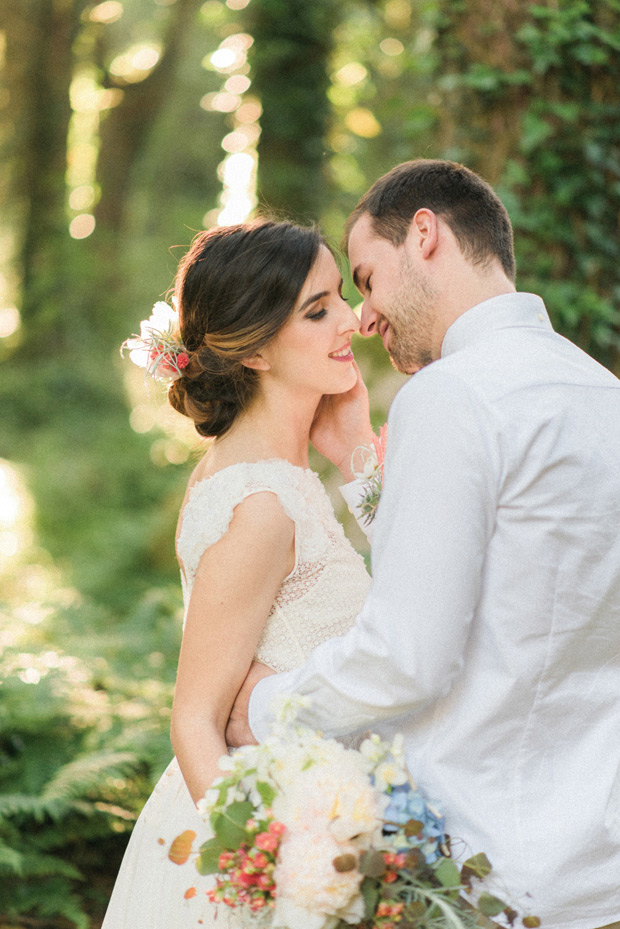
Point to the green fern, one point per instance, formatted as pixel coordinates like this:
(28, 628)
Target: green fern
(86, 774)
(11, 861)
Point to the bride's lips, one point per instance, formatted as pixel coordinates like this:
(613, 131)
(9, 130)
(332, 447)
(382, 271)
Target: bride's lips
(342, 354)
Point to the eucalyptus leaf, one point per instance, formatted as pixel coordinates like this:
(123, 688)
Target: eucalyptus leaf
(370, 893)
(230, 824)
(477, 866)
(372, 864)
(266, 791)
(208, 859)
(447, 873)
(413, 827)
(490, 905)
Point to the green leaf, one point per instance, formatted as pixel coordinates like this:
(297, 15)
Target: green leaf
(230, 824)
(413, 827)
(415, 911)
(266, 791)
(372, 864)
(208, 859)
(447, 873)
(370, 893)
(477, 866)
(490, 905)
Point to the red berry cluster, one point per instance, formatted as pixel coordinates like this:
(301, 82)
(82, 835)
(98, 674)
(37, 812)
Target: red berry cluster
(246, 875)
(168, 361)
(389, 913)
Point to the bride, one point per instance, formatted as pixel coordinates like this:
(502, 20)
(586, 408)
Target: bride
(267, 572)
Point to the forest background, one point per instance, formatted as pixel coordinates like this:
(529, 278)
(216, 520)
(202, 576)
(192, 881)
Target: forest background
(126, 126)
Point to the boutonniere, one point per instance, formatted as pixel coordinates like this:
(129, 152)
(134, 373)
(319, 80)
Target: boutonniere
(367, 466)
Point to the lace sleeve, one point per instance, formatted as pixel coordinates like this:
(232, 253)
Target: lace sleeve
(211, 503)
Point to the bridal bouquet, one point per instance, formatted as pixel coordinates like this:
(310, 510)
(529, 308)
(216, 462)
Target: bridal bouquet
(309, 834)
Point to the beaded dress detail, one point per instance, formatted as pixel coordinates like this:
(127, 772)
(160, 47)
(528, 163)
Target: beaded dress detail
(318, 600)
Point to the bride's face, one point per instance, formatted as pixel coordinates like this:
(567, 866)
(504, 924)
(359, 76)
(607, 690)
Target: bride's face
(312, 351)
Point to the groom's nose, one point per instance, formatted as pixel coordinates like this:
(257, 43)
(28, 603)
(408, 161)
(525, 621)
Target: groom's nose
(369, 320)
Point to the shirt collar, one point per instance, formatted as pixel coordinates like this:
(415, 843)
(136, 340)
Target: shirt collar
(503, 312)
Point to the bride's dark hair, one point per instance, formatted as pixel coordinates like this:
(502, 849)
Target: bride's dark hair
(235, 289)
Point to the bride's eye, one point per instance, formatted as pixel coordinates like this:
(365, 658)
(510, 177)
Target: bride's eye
(318, 315)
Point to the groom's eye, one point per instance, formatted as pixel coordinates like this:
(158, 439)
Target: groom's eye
(367, 284)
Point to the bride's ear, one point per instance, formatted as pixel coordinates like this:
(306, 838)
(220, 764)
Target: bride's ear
(256, 362)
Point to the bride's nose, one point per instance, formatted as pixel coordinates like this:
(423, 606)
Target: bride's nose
(350, 321)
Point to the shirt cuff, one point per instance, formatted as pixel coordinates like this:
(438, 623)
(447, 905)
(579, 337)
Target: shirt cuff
(353, 494)
(260, 708)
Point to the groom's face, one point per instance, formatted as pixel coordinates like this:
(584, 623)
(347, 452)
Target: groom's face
(398, 297)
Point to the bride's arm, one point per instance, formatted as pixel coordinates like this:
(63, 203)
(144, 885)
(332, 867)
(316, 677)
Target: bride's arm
(235, 586)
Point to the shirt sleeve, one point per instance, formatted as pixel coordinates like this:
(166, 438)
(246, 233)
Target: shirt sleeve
(435, 518)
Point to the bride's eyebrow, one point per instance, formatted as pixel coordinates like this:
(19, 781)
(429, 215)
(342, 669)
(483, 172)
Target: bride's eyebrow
(312, 299)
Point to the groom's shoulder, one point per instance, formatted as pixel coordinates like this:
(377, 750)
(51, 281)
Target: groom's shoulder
(452, 375)
(442, 384)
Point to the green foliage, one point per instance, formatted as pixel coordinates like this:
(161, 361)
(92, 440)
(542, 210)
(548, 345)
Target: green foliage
(81, 743)
(542, 126)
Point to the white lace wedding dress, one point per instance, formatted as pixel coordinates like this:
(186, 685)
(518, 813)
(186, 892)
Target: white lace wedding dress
(318, 600)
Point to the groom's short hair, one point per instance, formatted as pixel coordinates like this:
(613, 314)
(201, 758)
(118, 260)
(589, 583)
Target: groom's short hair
(470, 207)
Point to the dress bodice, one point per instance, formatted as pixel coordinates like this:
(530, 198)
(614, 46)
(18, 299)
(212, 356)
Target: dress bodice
(326, 588)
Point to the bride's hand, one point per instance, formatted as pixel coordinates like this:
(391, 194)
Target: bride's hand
(342, 424)
(238, 730)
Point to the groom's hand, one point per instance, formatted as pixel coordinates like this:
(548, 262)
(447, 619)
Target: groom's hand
(238, 730)
(342, 424)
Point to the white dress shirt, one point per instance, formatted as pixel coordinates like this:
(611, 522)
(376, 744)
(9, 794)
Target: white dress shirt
(491, 633)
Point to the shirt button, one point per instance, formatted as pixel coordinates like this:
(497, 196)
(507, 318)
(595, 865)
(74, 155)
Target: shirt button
(541, 317)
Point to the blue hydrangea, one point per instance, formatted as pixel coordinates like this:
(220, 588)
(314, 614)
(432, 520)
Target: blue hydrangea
(407, 803)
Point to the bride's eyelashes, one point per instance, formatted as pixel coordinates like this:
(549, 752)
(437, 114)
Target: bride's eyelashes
(322, 311)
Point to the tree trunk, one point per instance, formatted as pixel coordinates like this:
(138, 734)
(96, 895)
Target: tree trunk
(39, 39)
(126, 128)
(290, 58)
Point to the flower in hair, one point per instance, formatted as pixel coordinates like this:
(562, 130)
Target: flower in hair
(159, 349)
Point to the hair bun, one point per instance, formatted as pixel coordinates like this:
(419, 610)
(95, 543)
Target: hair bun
(211, 391)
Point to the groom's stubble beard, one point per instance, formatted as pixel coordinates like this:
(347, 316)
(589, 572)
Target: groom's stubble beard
(411, 316)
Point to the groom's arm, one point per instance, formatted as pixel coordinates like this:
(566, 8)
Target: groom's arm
(430, 536)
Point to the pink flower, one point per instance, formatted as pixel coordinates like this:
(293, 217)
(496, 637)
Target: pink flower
(182, 360)
(225, 860)
(276, 828)
(379, 444)
(266, 842)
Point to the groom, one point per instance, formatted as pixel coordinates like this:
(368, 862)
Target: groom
(491, 634)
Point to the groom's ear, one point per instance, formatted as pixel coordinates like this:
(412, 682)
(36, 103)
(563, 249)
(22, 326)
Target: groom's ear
(256, 363)
(425, 230)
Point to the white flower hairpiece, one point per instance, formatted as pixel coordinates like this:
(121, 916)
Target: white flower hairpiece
(159, 349)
